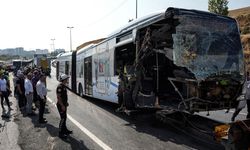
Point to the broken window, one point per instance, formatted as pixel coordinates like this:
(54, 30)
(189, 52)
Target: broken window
(207, 46)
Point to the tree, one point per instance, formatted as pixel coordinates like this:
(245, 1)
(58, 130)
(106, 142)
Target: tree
(218, 6)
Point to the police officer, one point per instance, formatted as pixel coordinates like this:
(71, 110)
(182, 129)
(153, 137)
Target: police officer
(62, 104)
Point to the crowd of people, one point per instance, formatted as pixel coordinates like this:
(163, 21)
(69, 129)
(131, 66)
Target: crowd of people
(31, 94)
(30, 90)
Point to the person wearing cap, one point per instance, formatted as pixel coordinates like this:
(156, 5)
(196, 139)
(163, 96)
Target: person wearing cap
(3, 91)
(21, 91)
(41, 96)
(34, 80)
(29, 94)
(62, 104)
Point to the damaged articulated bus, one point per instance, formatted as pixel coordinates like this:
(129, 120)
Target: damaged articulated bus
(184, 60)
(180, 60)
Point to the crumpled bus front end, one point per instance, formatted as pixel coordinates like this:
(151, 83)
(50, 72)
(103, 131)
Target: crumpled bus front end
(189, 62)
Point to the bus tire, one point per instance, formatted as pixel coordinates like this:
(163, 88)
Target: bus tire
(80, 90)
(128, 101)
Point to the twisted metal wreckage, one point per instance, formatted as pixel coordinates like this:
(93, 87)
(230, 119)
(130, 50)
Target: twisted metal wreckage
(186, 62)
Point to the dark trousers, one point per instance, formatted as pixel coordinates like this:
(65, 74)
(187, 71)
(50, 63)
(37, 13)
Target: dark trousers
(63, 116)
(21, 100)
(34, 96)
(41, 108)
(248, 108)
(5, 96)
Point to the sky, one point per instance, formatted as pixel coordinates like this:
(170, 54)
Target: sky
(33, 24)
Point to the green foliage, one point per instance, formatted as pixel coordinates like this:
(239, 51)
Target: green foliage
(218, 6)
(8, 57)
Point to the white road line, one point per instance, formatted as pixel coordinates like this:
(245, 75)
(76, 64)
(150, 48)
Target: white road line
(239, 113)
(86, 131)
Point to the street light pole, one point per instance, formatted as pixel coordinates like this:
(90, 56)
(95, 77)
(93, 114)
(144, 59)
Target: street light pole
(70, 37)
(136, 10)
(53, 44)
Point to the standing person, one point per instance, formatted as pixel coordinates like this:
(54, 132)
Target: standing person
(248, 97)
(14, 83)
(4, 91)
(121, 89)
(62, 104)
(243, 99)
(29, 94)
(6, 76)
(41, 96)
(34, 81)
(21, 91)
(248, 76)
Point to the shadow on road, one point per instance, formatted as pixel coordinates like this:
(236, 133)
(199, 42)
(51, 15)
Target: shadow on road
(74, 143)
(52, 131)
(144, 121)
(6, 115)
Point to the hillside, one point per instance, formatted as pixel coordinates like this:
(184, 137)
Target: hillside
(242, 15)
(238, 12)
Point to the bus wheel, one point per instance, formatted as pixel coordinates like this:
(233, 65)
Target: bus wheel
(80, 90)
(128, 101)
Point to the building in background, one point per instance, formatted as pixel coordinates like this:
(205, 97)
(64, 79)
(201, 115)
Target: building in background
(60, 50)
(42, 51)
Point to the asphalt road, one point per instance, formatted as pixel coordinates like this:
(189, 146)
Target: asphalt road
(96, 125)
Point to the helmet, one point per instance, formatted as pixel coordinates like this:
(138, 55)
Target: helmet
(63, 77)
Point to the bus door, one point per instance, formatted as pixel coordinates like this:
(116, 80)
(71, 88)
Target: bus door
(88, 75)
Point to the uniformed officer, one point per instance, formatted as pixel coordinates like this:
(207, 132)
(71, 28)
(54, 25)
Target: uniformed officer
(62, 104)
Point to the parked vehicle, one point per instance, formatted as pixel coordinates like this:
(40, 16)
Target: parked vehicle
(42, 61)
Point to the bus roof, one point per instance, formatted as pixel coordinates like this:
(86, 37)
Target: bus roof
(162, 14)
(89, 43)
(84, 49)
(66, 54)
(148, 19)
(139, 21)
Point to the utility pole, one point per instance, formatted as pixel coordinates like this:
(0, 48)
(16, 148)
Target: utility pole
(53, 44)
(70, 37)
(136, 9)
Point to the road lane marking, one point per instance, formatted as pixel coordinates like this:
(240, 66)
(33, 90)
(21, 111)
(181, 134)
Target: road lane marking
(239, 113)
(85, 130)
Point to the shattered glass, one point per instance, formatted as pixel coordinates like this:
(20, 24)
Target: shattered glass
(207, 46)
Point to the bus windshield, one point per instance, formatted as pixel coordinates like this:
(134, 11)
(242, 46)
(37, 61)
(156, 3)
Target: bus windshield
(208, 46)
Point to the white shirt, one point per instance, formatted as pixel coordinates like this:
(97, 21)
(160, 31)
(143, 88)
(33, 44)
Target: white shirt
(41, 89)
(3, 85)
(28, 86)
(18, 72)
